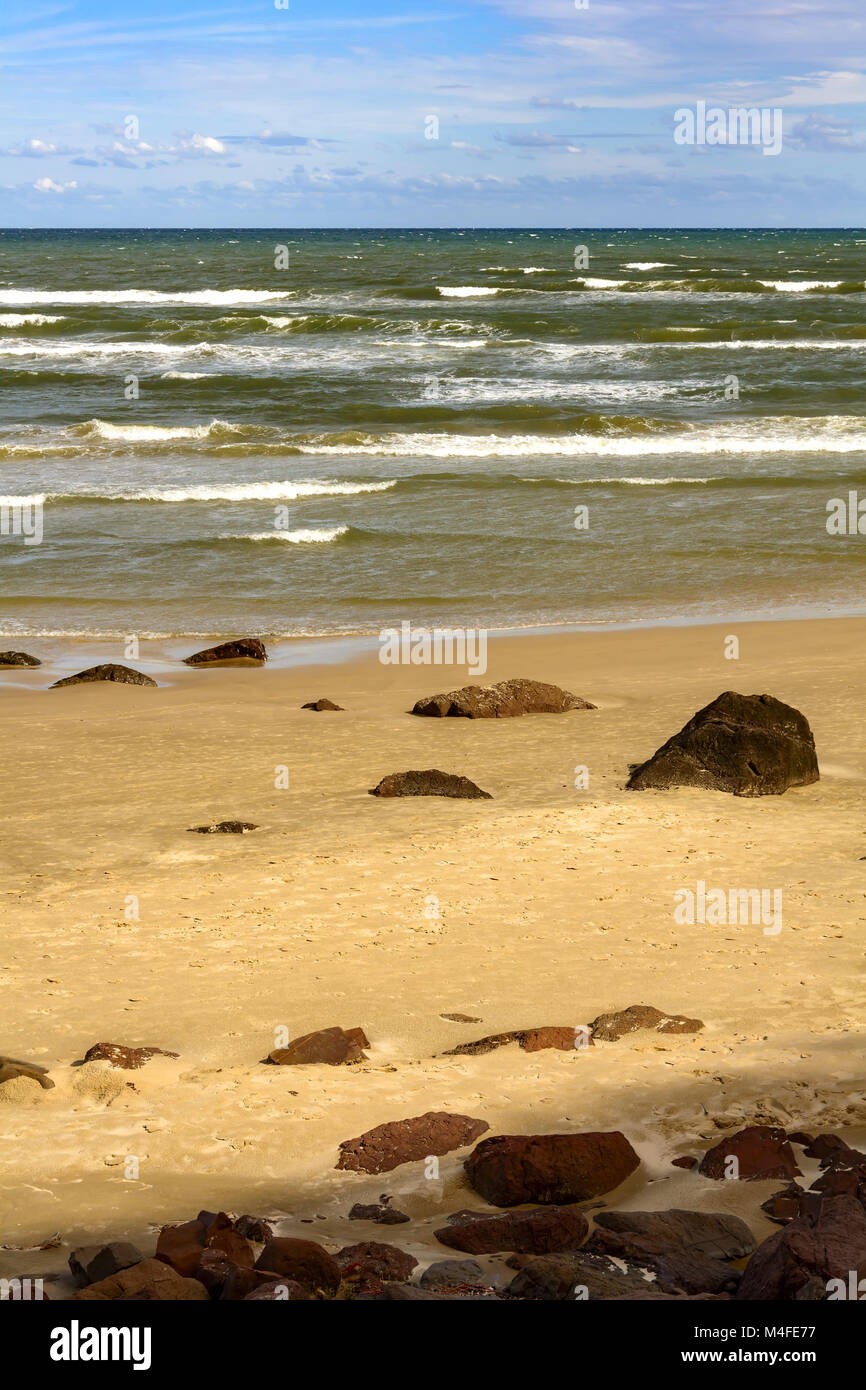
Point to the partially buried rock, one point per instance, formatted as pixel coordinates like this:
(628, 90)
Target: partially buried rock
(17, 659)
(375, 1258)
(321, 705)
(539, 1232)
(612, 1027)
(120, 675)
(333, 1046)
(91, 1263)
(128, 1058)
(405, 1141)
(303, 1261)
(511, 1169)
(560, 1038)
(10, 1068)
(505, 700)
(710, 1234)
(759, 1151)
(750, 745)
(224, 827)
(431, 782)
(151, 1279)
(451, 1274)
(246, 651)
(381, 1212)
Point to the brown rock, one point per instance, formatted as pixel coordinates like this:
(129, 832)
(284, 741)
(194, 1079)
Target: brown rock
(460, 1018)
(750, 745)
(303, 1261)
(120, 675)
(552, 1278)
(783, 1206)
(761, 1151)
(224, 827)
(431, 782)
(826, 1147)
(242, 1281)
(381, 1212)
(14, 659)
(127, 1058)
(254, 1229)
(91, 1263)
(685, 1161)
(510, 1169)
(709, 1234)
(561, 1038)
(825, 1242)
(405, 1141)
(799, 1137)
(333, 1046)
(539, 1232)
(278, 1291)
(505, 700)
(375, 1258)
(321, 705)
(152, 1279)
(181, 1246)
(247, 651)
(612, 1027)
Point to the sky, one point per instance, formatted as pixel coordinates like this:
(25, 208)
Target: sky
(383, 113)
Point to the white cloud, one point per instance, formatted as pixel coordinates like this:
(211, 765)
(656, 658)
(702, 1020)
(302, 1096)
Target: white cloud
(49, 186)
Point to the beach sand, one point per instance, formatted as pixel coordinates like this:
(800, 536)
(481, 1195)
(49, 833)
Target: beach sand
(554, 905)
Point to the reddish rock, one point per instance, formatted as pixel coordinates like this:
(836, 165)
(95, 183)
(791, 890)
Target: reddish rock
(181, 1246)
(246, 651)
(828, 1241)
(278, 1291)
(91, 1263)
(761, 1151)
(333, 1046)
(800, 1137)
(151, 1279)
(304, 1261)
(783, 1206)
(844, 1180)
(826, 1146)
(539, 1232)
(430, 782)
(750, 745)
(504, 700)
(405, 1141)
(321, 705)
(511, 1169)
(562, 1038)
(242, 1281)
(684, 1161)
(377, 1259)
(612, 1027)
(128, 1058)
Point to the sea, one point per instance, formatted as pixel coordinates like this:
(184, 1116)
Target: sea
(324, 433)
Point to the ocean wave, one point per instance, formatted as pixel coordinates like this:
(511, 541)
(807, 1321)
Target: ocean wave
(36, 320)
(285, 491)
(466, 291)
(82, 347)
(646, 265)
(303, 537)
(206, 297)
(155, 434)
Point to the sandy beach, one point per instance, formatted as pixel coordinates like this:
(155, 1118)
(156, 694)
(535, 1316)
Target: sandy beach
(548, 904)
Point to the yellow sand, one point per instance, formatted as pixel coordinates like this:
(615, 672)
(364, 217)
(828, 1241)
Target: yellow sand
(555, 904)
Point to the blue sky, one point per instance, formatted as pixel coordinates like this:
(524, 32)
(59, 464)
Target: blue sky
(318, 114)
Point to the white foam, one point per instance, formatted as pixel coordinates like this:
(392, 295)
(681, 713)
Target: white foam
(646, 265)
(112, 297)
(465, 291)
(19, 320)
(310, 537)
(244, 492)
(801, 286)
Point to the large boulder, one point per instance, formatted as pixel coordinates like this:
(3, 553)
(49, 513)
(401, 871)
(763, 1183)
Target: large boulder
(580, 1274)
(91, 1263)
(753, 1153)
(333, 1046)
(17, 659)
(373, 1257)
(246, 651)
(539, 1232)
(430, 782)
(501, 701)
(405, 1141)
(120, 675)
(827, 1241)
(511, 1169)
(715, 1235)
(751, 745)
(303, 1261)
(151, 1279)
(612, 1027)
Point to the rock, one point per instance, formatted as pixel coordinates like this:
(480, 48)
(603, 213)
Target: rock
(539, 1232)
(431, 782)
(127, 1058)
(303, 1261)
(247, 651)
(92, 1263)
(826, 1146)
(224, 827)
(405, 1141)
(372, 1257)
(800, 1137)
(453, 1274)
(676, 1271)
(783, 1206)
(685, 1161)
(380, 1212)
(823, 1243)
(712, 1235)
(460, 1018)
(254, 1229)
(612, 1027)
(750, 745)
(243, 1281)
(181, 1246)
(121, 675)
(213, 1270)
(16, 659)
(761, 1151)
(842, 1180)
(331, 1045)
(321, 705)
(510, 1169)
(562, 1038)
(152, 1279)
(505, 700)
(10, 1068)
(557, 1277)
(278, 1291)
